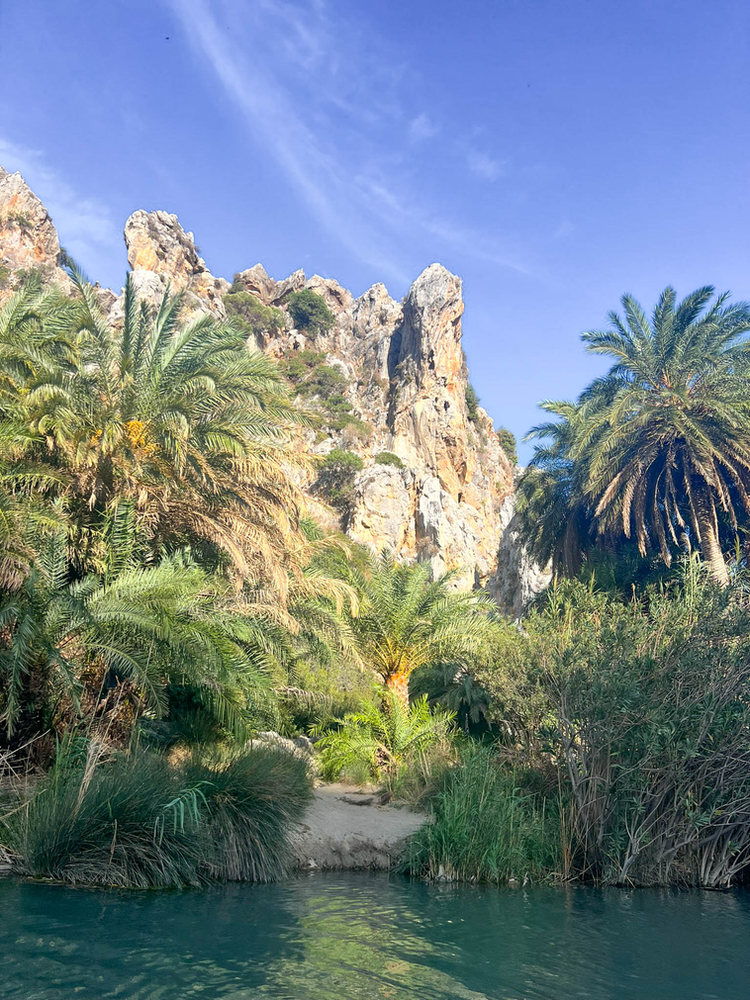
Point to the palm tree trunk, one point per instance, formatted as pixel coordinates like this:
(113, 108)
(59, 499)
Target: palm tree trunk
(705, 517)
(399, 685)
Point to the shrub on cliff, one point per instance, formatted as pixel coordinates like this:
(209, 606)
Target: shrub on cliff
(472, 403)
(507, 441)
(258, 319)
(309, 312)
(388, 458)
(336, 477)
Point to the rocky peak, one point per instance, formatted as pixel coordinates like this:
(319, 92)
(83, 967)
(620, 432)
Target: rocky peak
(161, 252)
(436, 485)
(28, 238)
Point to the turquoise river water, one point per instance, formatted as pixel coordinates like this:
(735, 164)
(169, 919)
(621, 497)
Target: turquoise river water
(352, 936)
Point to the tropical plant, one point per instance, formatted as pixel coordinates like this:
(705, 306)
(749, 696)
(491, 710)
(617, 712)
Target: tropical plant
(134, 820)
(456, 689)
(175, 419)
(105, 646)
(380, 742)
(406, 619)
(667, 433)
(555, 516)
(657, 450)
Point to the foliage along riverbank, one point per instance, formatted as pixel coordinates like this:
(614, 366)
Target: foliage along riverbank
(163, 598)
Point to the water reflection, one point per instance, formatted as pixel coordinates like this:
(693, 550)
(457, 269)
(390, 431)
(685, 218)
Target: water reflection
(360, 936)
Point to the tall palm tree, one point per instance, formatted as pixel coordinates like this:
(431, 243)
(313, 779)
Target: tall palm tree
(555, 516)
(665, 436)
(177, 419)
(405, 619)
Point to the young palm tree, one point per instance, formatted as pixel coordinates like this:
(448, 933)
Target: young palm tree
(380, 743)
(178, 419)
(665, 436)
(405, 619)
(145, 629)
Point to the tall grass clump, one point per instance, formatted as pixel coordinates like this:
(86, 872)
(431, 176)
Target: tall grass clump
(252, 803)
(486, 828)
(135, 820)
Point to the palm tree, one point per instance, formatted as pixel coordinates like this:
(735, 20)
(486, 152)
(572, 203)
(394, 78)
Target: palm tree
(178, 420)
(664, 438)
(380, 742)
(64, 644)
(554, 514)
(405, 619)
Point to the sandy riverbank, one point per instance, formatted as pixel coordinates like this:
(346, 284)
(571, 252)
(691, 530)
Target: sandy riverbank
(346, 828)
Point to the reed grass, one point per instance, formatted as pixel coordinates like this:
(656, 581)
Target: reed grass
(486, 827)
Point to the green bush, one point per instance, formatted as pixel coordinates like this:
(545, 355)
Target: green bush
(336, 477)
(251, 312)
(472, 403)
(507, 441)
(325, 381)
(297, 365)
(486, 828)
(136, 821)
(388, 458)
(309, 312)
(383, 743)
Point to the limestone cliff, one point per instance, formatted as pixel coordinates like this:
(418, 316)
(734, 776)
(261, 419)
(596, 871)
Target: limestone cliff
(400, 379)
(28, 239)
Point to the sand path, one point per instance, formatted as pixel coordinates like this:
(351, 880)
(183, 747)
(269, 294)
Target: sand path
(346, 828)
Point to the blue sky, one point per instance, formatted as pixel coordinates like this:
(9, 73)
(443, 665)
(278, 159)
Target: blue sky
(554, 154)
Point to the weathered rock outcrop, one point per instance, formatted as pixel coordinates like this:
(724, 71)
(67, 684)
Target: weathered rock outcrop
(402, 382)
(161, 253)
(28, 238)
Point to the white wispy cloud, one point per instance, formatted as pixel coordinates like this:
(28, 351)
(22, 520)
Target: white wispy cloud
(483, 166)
(327, 104)
(422, 127)
(84, 225)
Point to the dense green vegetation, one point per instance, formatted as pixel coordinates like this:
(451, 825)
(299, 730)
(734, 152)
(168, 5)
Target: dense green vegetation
(388, 458)
(472, 403)
(658, 450)
(487, 827)
(137, 820)
(309, 312)
(336, 475)
(256, 319)
(163, 599)
(508, 443)
(387, 743)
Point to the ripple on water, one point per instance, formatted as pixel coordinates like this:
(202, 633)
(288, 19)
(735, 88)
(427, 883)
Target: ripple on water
(353, 936)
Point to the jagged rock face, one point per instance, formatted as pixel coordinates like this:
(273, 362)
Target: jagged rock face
(404, 376)
(516, 579)
(28, 239)
(158, 246)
